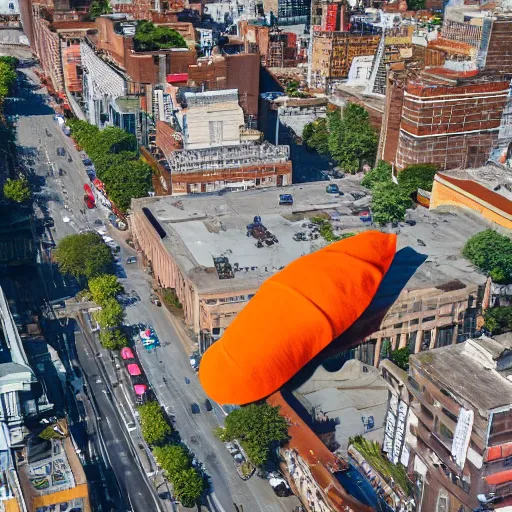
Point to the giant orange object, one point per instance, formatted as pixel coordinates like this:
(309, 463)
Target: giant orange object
(295, 314)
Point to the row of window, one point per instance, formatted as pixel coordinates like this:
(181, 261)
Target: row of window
(227, 300)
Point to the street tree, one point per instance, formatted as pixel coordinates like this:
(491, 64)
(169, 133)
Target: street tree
(104, 287)
(498, 320)
(389, 203)
(113, 339)
(491, 253)
(17, 190)
(112, 140)
(83, 256)
(173, 458)
(352, 139)
(188, 485)
(257, 427)
(417, 176)
(7, 78)
(103, 162)
(154, 426)
(315, 136)
(126, 181)
(381, 173)
(110, 315)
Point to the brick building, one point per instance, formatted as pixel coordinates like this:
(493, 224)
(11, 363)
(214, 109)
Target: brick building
(454, 111)
(333, 53)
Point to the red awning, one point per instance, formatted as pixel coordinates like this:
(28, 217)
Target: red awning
(126, 353)
(133, 369)
(140, 389)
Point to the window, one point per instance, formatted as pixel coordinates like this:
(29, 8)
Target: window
(411, 342)
(427, 336)
(414, 321)
(501, 427)
(367, 352)
(413, 384)
(385, 348)
(444, 337)
(445, 433)
(428, 319)
(450, 415)
(442, 502)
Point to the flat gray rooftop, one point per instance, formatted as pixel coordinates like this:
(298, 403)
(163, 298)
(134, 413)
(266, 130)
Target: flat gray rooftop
(202, 227)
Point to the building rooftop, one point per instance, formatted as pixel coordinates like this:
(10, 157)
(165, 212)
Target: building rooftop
(356, 397)
(480, 358)
(199, 228)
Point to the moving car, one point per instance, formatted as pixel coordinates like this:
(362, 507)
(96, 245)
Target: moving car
(208, 405)
(195, 408)
(61, 151)
(131, 259)
(332, 188)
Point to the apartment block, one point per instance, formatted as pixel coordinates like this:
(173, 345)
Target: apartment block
(452, 429)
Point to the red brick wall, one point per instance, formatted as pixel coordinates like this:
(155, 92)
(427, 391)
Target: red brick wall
(447, 152)
(499, 53)
(438, 110)
(243, 73)
(391, 123)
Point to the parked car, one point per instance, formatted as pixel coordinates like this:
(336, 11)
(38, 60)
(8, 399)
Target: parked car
(332, 188)
(285, 199)
(87, 162)
(155, 300)
(357, 195)
(208, 405)
(131, 259)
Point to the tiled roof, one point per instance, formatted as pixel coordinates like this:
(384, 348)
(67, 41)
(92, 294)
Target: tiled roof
(475, 189)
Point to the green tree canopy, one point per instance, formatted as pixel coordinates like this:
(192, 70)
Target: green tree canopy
(172, 458)
(84, 256)
(389, 203)
(491, 253)
(17, 190)
(103, 162)
(381, 173)
(110, 315)
(154, 426)
(256, 427)
(113, 340)
(188, 485)
(7, 78)
(98, 7)
(149, 37)
(315, 136)
(129, 180)
(417, 176)
(104, 287)
(400, 357)
(498, 320)
(352, 139)
(12, 62)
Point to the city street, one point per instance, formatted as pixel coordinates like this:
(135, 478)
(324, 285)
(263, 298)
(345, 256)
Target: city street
(174, 382)
(61, 198)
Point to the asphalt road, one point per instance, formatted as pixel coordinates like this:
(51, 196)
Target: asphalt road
(168, 369)
(177, 388)
(61, 197)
